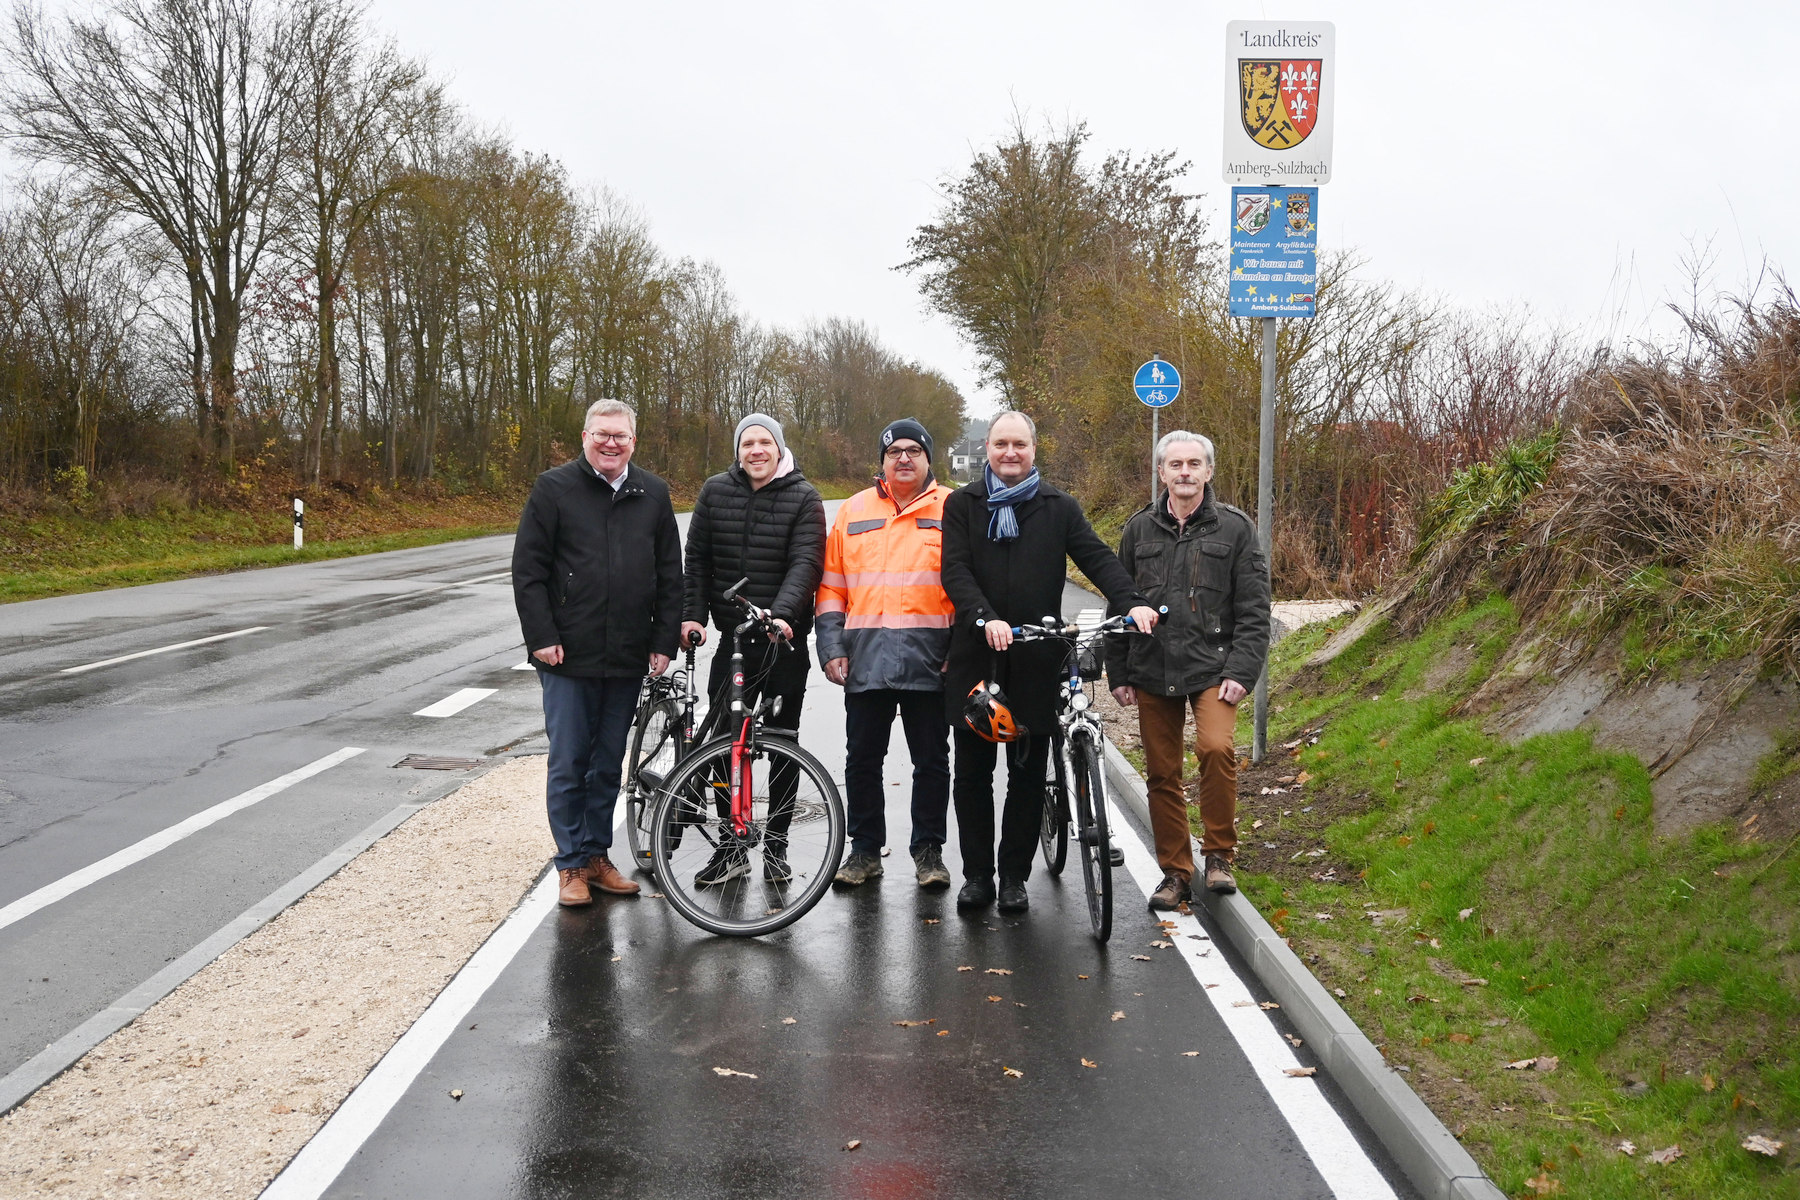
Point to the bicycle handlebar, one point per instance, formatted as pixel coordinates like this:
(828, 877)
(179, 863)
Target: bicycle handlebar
(759, 618)
(1050, 627)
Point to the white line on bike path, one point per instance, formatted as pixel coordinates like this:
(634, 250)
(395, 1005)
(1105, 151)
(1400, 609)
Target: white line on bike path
(107, 662)
(1334, 1150)
(455, 702)
(73, 882)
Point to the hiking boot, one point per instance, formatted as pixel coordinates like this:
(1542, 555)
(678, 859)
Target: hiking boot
(929, 859)
(729, 862)
(572, 887)
(1170, 892)
(776, 868)
(858, 869)
(603, 875)
(1218, 875)
(975, 893)
(1012, 896)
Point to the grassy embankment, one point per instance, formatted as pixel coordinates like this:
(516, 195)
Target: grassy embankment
(1475, 903)
(58, 548)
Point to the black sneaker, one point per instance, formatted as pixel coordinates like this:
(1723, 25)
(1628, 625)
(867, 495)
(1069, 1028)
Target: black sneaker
(729, 861)
(976, 893)
(858, 869)
(1012, 896)
(775, 862)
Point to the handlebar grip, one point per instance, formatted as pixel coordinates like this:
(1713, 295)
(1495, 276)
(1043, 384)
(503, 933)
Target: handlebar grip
(732, 591)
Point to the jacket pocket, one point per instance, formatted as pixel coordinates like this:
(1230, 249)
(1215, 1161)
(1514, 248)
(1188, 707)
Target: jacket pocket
(1214, 566)
(1150, 565)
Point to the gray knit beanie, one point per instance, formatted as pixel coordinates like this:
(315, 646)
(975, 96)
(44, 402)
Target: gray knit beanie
(767, 422)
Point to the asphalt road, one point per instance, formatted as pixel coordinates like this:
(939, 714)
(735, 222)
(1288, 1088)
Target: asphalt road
(583, 1072)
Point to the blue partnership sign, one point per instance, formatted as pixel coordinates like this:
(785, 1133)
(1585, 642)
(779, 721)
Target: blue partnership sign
(1274, 251)
(1157, 383)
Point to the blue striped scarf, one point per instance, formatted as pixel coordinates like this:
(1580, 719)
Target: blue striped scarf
(1003, 522)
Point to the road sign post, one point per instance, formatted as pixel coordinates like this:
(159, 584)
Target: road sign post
(1279, 111)
(1156, 383)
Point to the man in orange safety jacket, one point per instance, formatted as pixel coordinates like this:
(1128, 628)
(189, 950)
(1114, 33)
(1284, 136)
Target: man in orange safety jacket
(883, 623)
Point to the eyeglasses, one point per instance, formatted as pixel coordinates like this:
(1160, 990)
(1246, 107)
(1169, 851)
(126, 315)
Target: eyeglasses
(905, 452)
(613, 439)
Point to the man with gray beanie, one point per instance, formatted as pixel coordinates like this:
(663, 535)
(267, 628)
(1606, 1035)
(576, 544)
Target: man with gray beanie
(762, 521)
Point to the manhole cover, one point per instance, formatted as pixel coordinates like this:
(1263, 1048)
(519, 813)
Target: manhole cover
(434, 762)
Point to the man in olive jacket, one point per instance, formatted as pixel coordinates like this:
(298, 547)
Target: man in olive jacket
(1007, 541)
(1198, 557)
(597, 581)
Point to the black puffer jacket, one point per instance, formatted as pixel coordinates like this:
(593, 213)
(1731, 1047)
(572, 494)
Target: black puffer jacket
(1211, 575)
(775, 536)
(598, 574)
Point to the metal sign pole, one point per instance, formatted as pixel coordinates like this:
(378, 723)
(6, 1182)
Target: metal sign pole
(1265, 520)
(1155, 435)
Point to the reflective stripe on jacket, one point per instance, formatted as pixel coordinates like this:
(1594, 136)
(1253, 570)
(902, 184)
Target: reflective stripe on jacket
(881, 601)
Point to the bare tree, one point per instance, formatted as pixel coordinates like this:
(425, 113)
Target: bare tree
(175, 110)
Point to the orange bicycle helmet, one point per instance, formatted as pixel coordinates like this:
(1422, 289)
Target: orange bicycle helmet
(989, 717)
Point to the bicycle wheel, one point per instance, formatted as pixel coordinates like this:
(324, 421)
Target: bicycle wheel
(656, 744)
(1092, 834)
(768, 877)
(1053, 833)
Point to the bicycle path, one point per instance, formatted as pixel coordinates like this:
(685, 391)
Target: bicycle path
(964, 1055)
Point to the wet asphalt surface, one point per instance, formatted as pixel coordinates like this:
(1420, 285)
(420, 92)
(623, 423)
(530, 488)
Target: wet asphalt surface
(587, 1069)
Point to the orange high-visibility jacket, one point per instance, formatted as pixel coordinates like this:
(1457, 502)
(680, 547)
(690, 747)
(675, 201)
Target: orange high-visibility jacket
(881, 602)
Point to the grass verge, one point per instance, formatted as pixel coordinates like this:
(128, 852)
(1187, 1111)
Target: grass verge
(1475, 903)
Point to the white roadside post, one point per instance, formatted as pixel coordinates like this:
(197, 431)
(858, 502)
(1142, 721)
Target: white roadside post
(299, 522)
(1279, 77)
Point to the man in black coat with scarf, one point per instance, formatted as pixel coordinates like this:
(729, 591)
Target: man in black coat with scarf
(1007, 537)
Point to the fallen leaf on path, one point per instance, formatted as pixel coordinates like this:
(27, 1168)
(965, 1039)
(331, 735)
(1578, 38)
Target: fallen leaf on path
(1266, 1005)
(1081, 977)
(1018, 1004)
(1303, 777)
(1297, 1043)
(1543, 1185)
(1243, 1004)
(1089, 1063)
(1190, 1054)
(1258, 824)
(1422, 998)
(1756, 1143)
(997, 971)
(1627, 1147)
(1301, 1072)
(1119, 1016)
(1161, 945)
(1012, 1072)
(456, 1094)
(934, 920)
(943, 1033)
(728, 1072)
(853, 1143)
(1142, 958)
(911, 1024)
(1708, 1083)
(993, 999)
(789, 1021)
(1340, 993)
(1665, 1156)
(965, 968)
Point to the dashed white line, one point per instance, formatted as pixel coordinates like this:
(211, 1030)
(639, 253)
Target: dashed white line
(107, 662)
(455, 702)
(524, 666)
(1334, 1150)
(73, 882)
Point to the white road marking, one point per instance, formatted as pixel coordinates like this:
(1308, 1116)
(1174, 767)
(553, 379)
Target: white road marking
(524, 666)
(498, 575)
(1334, 1150)
(73, 882)
(107, 662)
(455, 702)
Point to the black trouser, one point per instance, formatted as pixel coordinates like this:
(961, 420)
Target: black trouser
(785, 678)
(1025, 763)
(868, 723)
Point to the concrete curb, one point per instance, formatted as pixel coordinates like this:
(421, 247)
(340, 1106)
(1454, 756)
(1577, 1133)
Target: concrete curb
(1429, 1154)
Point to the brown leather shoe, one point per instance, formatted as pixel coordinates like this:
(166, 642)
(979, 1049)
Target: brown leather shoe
(602, 874)
(573, 890)
(1218, 874)
(1170, 892)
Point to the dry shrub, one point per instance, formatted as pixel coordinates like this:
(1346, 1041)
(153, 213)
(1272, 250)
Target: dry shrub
(1674, 500)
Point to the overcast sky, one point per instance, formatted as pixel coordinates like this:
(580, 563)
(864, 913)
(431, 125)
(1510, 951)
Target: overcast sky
(1565, 155)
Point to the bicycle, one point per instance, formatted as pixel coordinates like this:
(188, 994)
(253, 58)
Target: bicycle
(662, 733)
(1077, 767)
(754, 794)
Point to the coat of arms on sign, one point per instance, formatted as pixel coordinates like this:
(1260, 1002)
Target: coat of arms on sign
(1280, 99)
(1253, 211)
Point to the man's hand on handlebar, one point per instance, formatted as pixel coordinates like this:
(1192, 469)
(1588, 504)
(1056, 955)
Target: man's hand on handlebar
(693, 633)
(1144, 618)
(782, 631)
(999, 634)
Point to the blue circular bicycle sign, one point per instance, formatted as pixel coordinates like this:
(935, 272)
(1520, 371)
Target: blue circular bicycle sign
(1157, 383)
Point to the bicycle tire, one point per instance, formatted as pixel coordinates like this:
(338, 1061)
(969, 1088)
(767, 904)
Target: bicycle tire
(687, 832)
(655, 743)
(1053, 830)
(1092, 835)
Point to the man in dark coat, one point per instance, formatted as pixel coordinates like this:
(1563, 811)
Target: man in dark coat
(1199, 558)
(762, 521)
(1007, 537)
(597, 581)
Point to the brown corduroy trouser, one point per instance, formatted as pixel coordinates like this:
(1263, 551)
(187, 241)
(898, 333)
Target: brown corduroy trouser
(1160, 723)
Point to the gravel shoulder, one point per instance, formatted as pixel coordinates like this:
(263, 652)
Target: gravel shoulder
(212, 1091)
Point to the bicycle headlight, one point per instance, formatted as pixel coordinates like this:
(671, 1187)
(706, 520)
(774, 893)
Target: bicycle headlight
(1079, 702)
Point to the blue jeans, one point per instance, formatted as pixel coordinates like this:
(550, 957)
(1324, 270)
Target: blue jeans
(588, 721)
(868, 720)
